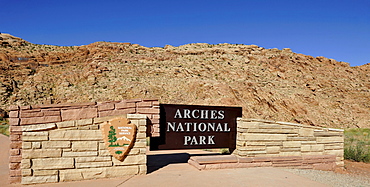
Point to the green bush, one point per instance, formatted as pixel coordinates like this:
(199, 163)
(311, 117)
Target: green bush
(357, 153)
(4, 126)
(357, 145)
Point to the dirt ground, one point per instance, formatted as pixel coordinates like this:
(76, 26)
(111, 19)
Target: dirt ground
(357, 168)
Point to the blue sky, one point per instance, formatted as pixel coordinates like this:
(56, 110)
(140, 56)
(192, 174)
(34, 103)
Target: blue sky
(337, 29)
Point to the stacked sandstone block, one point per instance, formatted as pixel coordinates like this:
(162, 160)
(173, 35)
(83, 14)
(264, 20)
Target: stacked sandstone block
(74, 151)
(27, 122)
(263, 138)
(319, 162)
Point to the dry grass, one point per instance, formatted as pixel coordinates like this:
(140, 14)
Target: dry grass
(4, 126)
(357, 144)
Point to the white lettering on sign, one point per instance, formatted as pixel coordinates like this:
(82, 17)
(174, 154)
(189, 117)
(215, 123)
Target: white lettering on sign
(193, 113)
(199, 114)
(199, 140)
(123, 133)
(202, 127)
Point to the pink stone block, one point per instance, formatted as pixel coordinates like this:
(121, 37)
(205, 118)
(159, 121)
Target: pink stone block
(13, 114)
(248, 165)
(148, 110)
(215, 159)
(31, 114)
(155, 134)
(245, 160)
(150, 99)
(266, 164)
(76, 114)
(14, 180)
(38, 120)
(14, 173)
(261, 159)
(213, 166)
(51, 112)
(324, 166)
(17, 158)
(229, 165)
(106, 106)
(16, 145)
(13, 121)
(13, 137)
(146, 104)
(154, 121)
(117, 112)
(15, 166)
(155, 103)
(133, 100)
(287, 164)
(65, 105)
(15, 129)
(196, 165)
(14, 152)
(13, 107)
(25, 107)
(125, 105)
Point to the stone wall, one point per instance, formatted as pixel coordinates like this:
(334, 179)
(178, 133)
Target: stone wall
(52, 143)
(319, 162)
(263, 138)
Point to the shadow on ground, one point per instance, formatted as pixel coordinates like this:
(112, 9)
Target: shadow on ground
(155, 162)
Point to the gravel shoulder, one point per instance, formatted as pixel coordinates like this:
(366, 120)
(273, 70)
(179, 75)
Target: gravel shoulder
(333, 179)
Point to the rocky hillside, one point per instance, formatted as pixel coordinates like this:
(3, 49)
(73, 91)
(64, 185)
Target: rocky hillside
(268, 83)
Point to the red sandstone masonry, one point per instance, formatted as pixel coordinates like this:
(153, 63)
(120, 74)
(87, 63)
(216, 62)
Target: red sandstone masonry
(13, 180)
(154, 116)
(14, 166)
(16, 144)
(13, 108)
(25, 107)
(148, 110)
(31, 113)
(124, 105)
(105, 106)
(14, 121)
(15, 172)
(51, 112)
(15, 159)
(15, 128)
(15, 137)
(233, 161)
(156, 103)
(144, 104)
(14, 152)
(117, 112)
(76, 114)
(67, 105)
(40, 120)
(40, 114)
(13, 114)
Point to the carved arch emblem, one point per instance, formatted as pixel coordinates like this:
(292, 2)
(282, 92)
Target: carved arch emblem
(119, 136)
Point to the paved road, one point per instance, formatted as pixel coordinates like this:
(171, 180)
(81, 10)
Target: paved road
(169, 168)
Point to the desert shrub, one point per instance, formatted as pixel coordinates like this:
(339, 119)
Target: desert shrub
(225, 151)
(4, 126)
(357, 145)
(357, 153)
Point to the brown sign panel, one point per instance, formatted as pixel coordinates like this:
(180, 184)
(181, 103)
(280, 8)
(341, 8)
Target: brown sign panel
(196, 127)
(119, 136)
